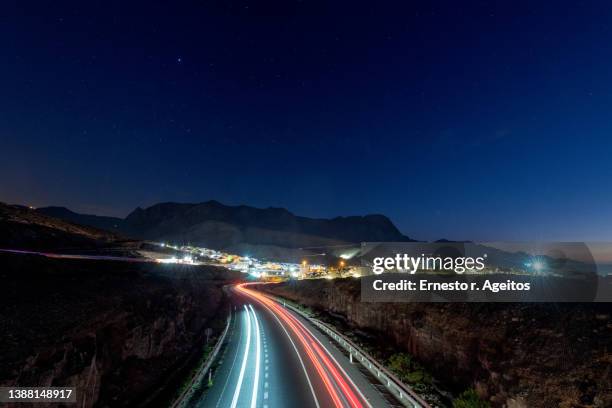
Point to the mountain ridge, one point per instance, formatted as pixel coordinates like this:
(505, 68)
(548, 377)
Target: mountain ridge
(217, 225)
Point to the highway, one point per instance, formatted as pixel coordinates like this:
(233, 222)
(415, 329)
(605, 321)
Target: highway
(75, 256)
(275, 358)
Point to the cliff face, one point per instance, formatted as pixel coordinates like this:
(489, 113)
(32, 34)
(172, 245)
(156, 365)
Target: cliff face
(118, 332)
(514, 355)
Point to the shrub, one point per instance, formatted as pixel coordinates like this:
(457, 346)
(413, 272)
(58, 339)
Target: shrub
(469, 399)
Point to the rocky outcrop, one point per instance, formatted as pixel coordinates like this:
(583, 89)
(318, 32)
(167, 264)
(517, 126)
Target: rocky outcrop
(118, 332)
(514, 355)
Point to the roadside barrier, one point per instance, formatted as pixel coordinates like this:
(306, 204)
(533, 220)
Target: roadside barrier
(198, 378)
(394, 385)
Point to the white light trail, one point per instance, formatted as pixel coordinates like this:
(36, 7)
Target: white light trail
(244, 360)
(257, 360)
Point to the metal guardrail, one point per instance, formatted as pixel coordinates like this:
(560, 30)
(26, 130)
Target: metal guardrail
(394, 385)
(185, 396)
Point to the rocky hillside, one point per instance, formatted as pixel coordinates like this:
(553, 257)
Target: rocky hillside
(216, 225)
(119, 332)
(22, 227)
(514, 355)
(106, 223)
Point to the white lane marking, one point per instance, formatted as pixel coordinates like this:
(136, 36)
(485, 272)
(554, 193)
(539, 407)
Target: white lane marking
(257, 360)
(266, 395)
(244, 360)
(314, 396)
(231, 368)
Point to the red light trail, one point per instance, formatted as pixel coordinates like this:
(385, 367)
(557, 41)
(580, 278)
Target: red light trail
(315, 352)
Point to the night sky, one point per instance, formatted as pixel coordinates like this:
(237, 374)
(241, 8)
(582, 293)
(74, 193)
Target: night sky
(480, 122)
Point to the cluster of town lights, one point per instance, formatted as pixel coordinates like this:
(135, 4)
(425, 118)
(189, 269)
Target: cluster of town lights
(258, 269)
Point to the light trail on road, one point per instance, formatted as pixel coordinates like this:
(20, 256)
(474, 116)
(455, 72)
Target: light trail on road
(244, 360)
(77, 256)
(257, 359)
(312, 337)
(323, 375)
(289, 363)
(342, 390)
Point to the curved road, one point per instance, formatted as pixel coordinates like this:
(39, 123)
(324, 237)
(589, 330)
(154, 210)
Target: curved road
(275, 358)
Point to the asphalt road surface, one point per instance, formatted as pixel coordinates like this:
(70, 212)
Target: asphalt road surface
(275, 358)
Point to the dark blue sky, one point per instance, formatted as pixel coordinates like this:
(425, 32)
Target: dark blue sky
(475, 122)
